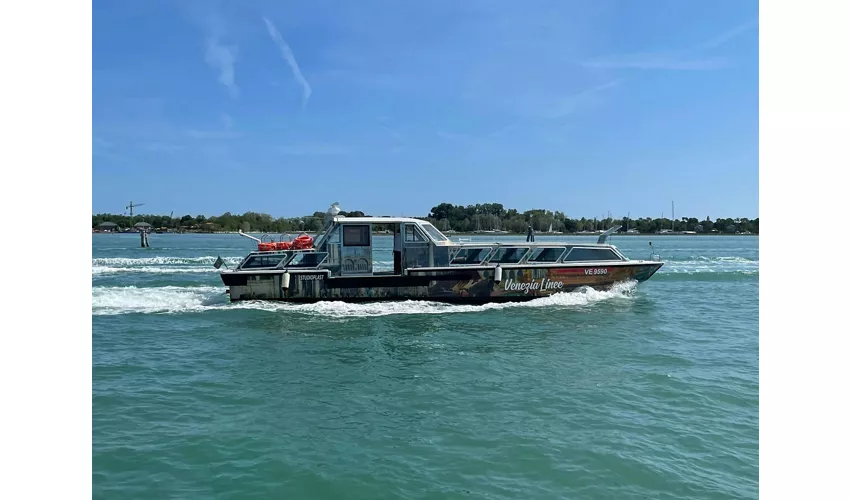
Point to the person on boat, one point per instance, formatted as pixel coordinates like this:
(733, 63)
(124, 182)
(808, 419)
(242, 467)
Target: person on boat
(530, 235)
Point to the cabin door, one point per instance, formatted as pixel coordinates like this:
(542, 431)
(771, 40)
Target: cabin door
(417, 248)
(356, 249)
(397, 249)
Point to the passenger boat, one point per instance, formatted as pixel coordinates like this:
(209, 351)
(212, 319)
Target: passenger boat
(339, 265)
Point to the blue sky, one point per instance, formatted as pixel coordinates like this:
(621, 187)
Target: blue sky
(392, 107)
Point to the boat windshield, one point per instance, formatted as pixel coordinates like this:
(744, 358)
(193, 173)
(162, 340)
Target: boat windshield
(437, 235)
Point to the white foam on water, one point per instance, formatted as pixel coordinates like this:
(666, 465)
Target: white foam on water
(152, 270)
(711, 265)
(703, 258)
(159, 261)
(172, 299)
(580, 297)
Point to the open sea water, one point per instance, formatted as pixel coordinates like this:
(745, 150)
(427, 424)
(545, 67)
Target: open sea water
(640, 392)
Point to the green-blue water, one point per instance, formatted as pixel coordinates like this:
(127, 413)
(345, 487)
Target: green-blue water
(647, 392)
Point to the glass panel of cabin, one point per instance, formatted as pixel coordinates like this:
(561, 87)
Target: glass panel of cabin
(263, 261)
(416, 256)
(413, 235)
(308, 259)
(435, 234)
(333, 236)
(356, 235)
(509, 255)
(470, 256)
(590, 255)
(332, 245)
(441, 255)
(546, 254)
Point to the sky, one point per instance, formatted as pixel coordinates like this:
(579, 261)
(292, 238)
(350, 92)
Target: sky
(392, 107)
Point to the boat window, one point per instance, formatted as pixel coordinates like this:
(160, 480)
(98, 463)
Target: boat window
(411, 234)
(591, 254)
(333, 235)
(509, 255)
(416, 256)
(308, 259)
(435, 234)
(546, 254)
(471, 256)
(263, 261)
(356, 235)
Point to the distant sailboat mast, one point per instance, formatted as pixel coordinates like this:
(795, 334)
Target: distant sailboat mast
(673, 221)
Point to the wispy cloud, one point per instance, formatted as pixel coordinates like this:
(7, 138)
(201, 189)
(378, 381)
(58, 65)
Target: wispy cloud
(220, 56)
(727, 36)
(101, 144)
(656, 60)
(227, 120)
(569, 104)
(315, 149)
(163, 147)
(452, 136)
(223, 58)
(394, 134)
(212, 134)
(684, 60)
(287, 54)
(102, 148)
(552, 106)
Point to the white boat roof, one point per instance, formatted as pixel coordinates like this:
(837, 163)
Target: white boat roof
(379, 220)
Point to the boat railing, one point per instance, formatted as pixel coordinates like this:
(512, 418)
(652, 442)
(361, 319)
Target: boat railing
(270, 237)
(258, 240)
(605, 234)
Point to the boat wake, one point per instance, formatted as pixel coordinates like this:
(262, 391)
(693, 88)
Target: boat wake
(159, 261)
(698, 265)
(158, 265)
(99, 270)
(173, 299)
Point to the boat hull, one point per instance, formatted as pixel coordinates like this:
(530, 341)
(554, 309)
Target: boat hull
(452, 285)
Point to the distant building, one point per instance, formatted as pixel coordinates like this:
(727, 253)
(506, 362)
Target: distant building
(108, 227)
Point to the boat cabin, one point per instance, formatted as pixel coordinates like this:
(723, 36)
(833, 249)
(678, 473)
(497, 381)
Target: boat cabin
(347, 247)
(348, 262)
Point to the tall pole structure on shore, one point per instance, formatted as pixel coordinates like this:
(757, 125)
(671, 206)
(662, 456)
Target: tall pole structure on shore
(131, 206)
(673, 217)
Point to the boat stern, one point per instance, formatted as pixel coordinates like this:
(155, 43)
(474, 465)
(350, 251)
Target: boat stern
(242, 285)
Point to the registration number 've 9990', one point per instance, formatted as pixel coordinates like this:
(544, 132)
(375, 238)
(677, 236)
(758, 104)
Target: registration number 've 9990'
(596, 270)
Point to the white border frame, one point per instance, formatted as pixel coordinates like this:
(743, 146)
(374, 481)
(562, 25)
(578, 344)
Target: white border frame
(803, 146)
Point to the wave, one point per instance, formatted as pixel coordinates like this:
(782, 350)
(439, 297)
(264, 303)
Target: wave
(151, 270)
(173, 299)
(130, 299)
(703, 276)
(160, 261)
(697, 266)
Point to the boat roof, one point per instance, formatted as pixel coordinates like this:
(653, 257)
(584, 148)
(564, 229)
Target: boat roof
(378, 220)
